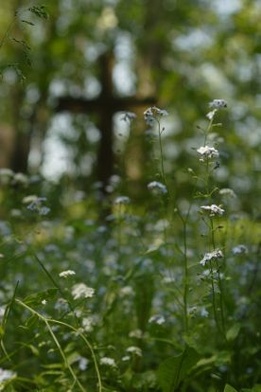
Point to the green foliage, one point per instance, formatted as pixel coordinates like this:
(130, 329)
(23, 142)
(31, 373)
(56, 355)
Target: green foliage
(22, 48)
(176, 369)
(228, 388)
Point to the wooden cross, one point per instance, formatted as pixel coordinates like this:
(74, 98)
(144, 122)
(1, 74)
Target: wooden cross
(105, 105)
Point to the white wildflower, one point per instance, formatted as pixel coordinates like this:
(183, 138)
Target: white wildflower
(87, 324)
(80, 290)
(192, 310)
(4, 172)
(20, 178)
(218, 104)
(210, 115)
(240, 249)
(83, 363)
(134, 350)
(213, 210)
(157, 187)
(148, 117)
(6, 375)
(126, 358)
(5, 176)
(227, 192)
(29, 199)
(122, 200)
(16, 213)
(108, 362)
(136, 333)
(204, 312)
(215, 255)
(65, 274)
(207, 153)
(35, 204)
(157, 319)
(153, 113)
(126, 291)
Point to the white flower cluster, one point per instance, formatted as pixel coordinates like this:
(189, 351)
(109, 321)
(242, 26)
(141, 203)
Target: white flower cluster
(136, 333)
(5, 172)
(240, 249)
(126, 291)
(227, 192)
(108, 362)
(65, 274)
(7, 176)
(157, 188)
(134, 350)
(153, 113)
(35, 204)
(218, 104)
(215, 255)
(122, 200)
(207, 153)
(83, 363)
(6, 375)
(88, 323)
(213, 210)
(157, 319)
(80, 290)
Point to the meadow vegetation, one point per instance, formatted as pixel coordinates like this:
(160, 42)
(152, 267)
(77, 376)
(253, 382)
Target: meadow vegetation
(162, 294)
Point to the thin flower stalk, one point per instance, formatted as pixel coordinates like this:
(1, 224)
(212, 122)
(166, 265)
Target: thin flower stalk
(210, 212)
(48, 322)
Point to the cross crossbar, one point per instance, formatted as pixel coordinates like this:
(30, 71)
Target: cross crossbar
(105, 105)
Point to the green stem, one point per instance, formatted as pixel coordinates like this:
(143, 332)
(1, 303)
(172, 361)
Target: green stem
(214, 297)
(161, 156)
(208, 130)
(221, 305)
(48, 322)
(186, 271)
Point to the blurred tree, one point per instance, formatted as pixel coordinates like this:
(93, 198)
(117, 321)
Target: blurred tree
(186, 53)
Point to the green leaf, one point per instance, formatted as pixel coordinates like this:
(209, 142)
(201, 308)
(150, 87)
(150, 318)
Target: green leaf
(228, 388)
(37, 298)
(233, 332)
(175, 369)
(31, 321)
(34, 350)
(2, 332)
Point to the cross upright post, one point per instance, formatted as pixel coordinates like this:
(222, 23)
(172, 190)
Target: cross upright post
(105, 105)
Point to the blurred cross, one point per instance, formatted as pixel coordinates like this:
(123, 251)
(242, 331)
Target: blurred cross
(105, 105)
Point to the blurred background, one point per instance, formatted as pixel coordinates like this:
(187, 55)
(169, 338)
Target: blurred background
(71, 68)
